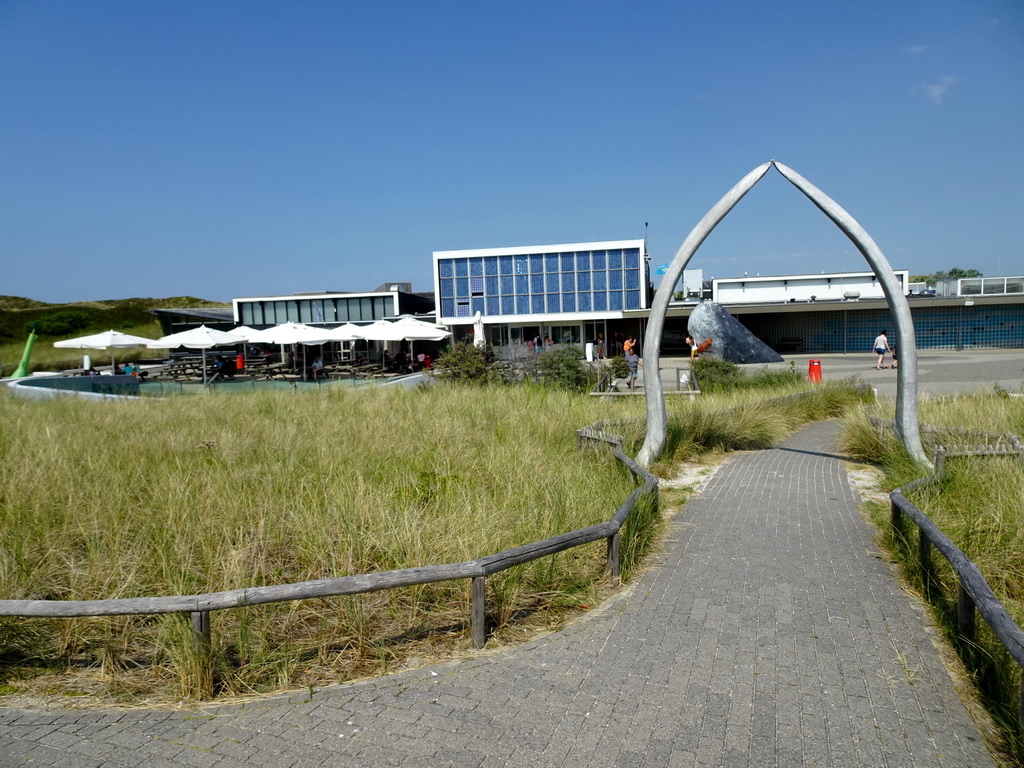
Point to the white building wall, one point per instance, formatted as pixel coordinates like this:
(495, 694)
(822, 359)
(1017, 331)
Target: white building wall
(781, 289)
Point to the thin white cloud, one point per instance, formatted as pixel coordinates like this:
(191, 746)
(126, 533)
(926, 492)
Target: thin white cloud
(937, 92)
(915, 50)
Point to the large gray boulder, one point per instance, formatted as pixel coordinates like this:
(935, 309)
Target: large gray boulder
(729, 339)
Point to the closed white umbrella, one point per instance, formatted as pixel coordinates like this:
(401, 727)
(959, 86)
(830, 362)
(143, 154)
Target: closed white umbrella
(106, 340)
(197, 338)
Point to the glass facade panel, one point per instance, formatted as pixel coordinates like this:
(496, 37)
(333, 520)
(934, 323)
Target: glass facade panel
(536, 283)
(600, 301)
(568, 281)
(536, 265)
(551, 262)
(615, 280)
(554, 305)
(583, 302)
(366, 308)
(1015, 285)
(567, 262)
(476, 285)
(491, 265)
(970, 287)
(445, 268)
(538, 304)
(632, 257)
(291, 311)
(280, 314)
(505, 264)
(615, 300)
(522, 305)
(614, 259)
(245, 313)
(341, 310)
(632, 279)
(583, 260)
(522, 265)
(568, 302)
(583, 281)
(508, 305)
(493, 305)
(507, 286)
(522, 284)
(491, 286)
(305, 311)
(461, 287)
(551, 283)
(448, 307)
(447, 288)
(462, 267)
(600, 281)
(478, 304)
(632, 299)
(600, 259)
(476, 267)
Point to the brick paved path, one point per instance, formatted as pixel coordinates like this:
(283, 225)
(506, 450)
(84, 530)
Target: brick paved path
(768, 633)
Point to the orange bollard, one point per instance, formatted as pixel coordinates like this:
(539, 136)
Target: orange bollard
(814, 370)
(240, 362)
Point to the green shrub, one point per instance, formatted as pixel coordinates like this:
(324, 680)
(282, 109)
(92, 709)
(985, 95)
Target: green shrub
(469, 364)
(619, 367)
(561, 367)
(716, 375)
(65, 321)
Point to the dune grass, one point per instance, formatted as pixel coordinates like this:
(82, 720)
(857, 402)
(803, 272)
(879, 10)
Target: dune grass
(979, 504)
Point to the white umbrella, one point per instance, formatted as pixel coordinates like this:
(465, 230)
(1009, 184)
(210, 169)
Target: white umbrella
(346, 332)
(250, 334)
(417, 330)
(197, 338)
(105, 340)
(294, 333)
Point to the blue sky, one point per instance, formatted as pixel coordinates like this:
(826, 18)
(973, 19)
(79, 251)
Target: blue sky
(223, 149)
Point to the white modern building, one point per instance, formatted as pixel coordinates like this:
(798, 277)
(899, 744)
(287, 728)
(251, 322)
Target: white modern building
(787, 289)
(570, 292)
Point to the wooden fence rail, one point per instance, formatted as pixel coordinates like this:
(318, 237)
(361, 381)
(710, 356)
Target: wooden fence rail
(198, 607)
(974, 596)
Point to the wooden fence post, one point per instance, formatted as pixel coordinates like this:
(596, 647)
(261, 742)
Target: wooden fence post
(478, 611)
(613, 555)
(924, 556)
(201, 631)
(965, 615)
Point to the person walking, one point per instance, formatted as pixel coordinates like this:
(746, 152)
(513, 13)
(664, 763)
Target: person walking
(881, 347)
(634, 362)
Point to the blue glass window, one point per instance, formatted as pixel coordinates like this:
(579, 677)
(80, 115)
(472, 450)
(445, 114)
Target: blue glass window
(614, 259)
(537, 283)
(493, 305)
(522, 284)
(567, 262)
(615, 281)
(462, 286)
(583, 281)
(583, 300)
(632, 299)
(551, 282)
(476, 284)
(476, 266)
(583, 260)
(599, 259)
(568, 281)
(505, 262)
(632, 278)
(600, 281)
(508, 305)
(478, 304)
(615, 300)
(632, 258)
(551, 262)
(522, 265)
(445, 268)
(491, 265)
(522, 305)
(569, 302)
(447, 289)
(461, 267)
(536, 265)
(553, 304)
(538, 304)
(461, 310)
(447, 307)
(491, 286)
(507, 288)
(600, 301)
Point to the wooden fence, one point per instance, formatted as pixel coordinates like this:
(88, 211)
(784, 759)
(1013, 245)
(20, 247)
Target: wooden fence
(199, 607)
(974, 596)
